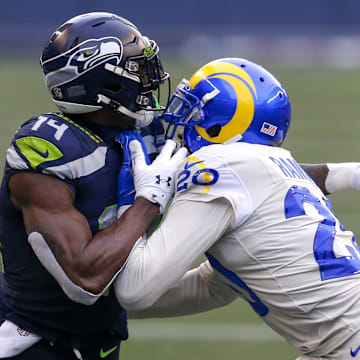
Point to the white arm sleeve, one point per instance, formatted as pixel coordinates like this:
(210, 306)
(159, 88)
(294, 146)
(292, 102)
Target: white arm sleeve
(48, 260)
(200, 290)
(188, 230)
(342, 176)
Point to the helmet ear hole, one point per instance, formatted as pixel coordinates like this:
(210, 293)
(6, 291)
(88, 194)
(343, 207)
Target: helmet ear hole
(113, 87)
(98, 24)
(214, 130)
(74, 43)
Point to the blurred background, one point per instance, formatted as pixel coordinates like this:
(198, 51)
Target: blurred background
(292, 33)
(311, 46)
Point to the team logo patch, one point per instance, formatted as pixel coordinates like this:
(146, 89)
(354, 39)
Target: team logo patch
(81, 59)
(268, 129)
(22, 332)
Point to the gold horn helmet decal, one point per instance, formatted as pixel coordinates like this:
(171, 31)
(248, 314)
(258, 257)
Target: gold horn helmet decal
(245, 92)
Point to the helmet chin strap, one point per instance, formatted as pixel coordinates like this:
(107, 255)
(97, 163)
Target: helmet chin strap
(142, 117)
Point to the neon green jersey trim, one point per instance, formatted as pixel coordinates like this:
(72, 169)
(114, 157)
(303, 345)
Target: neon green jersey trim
(103, 217)
(86, 131)
(149, 52)
(37, 150)
(157, 105)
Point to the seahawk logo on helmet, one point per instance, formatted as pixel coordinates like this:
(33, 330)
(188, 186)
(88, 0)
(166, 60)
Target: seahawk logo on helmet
(98, 60)
(82, 58)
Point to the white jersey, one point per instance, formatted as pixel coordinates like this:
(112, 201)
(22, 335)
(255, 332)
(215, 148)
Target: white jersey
(275, 243)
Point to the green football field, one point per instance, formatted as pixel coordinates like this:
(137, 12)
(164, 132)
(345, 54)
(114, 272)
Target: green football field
(325, 127)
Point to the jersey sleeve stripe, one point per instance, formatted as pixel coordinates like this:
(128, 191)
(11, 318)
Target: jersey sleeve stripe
(80, 167)
(14, 160)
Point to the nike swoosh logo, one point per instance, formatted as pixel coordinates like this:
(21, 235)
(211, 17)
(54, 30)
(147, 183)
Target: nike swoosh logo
(104, 354)
(354, 353)
(188, 165)
(42, 154)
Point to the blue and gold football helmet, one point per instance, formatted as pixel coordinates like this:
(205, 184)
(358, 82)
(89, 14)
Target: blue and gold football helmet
(229, 100)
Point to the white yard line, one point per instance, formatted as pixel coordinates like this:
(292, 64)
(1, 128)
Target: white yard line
(142, 330)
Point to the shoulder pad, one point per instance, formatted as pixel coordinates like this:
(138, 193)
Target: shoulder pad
(54, 142)
(198, 173)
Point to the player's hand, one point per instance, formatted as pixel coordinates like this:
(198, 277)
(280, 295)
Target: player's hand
(126, 188)
(156, 182)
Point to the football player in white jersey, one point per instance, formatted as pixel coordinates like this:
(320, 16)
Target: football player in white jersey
(267, 230)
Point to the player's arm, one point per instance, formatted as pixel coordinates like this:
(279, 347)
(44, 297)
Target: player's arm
(48, 211)
(199, 290)
(60, 235)
(334, 177)
(188, 230)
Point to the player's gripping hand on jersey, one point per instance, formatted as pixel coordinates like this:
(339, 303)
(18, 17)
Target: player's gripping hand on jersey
(156, 182)
(126, 188)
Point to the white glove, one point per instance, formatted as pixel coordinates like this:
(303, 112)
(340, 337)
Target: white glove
(156, 182)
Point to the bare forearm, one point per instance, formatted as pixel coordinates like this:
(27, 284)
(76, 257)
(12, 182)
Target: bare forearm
(91, 262)
(55, 227)
(318, 172)
(335, 177)
(109, 249)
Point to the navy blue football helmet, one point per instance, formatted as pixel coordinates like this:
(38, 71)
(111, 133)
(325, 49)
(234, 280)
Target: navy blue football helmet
(229, 100)
(101, 59)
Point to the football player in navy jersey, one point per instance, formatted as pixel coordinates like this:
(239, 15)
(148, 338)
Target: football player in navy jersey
(59, 192)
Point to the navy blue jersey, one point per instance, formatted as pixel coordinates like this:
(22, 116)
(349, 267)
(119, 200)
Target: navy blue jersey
(54, 145)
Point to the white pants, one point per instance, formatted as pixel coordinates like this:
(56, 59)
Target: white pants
(350, 350)
(14, 340)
